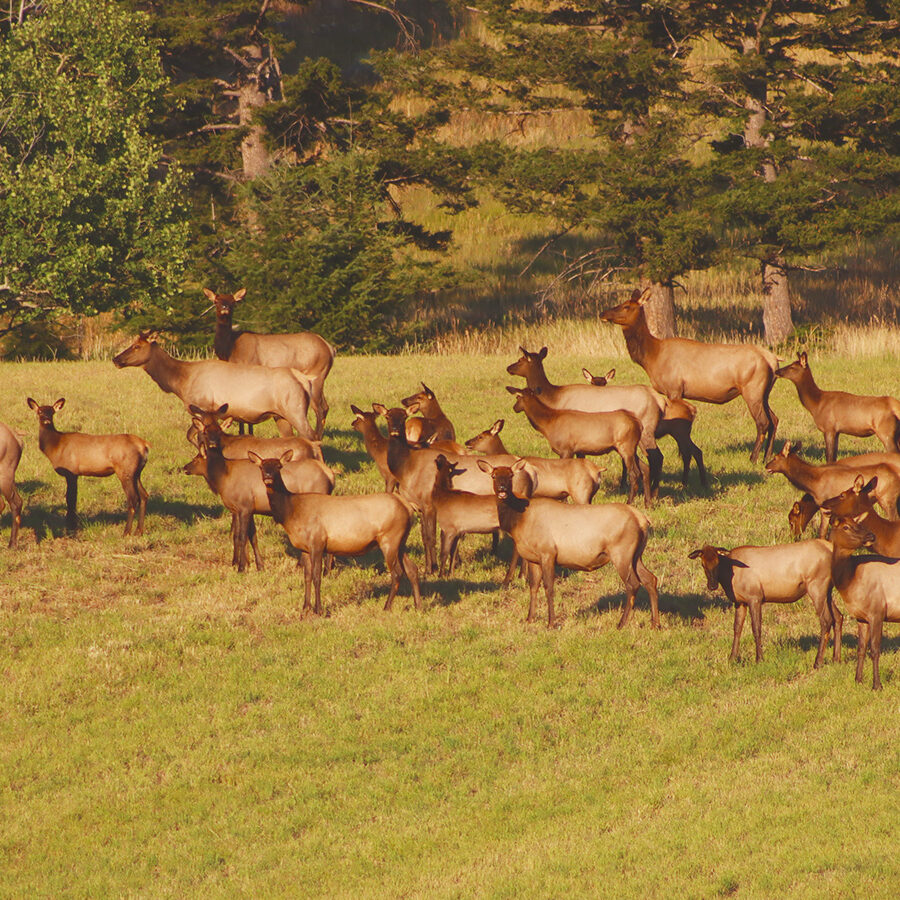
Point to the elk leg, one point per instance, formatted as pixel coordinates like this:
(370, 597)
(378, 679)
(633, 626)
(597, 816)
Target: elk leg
(838, 619)
(655, 459)
(534, 579)
(650, 582)
(831, 446)
(766, 421)
(511, 569)
(875, 630)
(756, 626)
(241, 528)
(15, 507)
(71, 501)
(429, 538)
(319, 404)
(251, 533)
(862, 642)
(445, 553)
(548, 576)
(132, 497)
(315, 564)
(740, 613)
(284, 427)
(412, 573)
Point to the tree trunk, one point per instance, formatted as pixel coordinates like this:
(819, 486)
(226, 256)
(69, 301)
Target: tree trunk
(254, 92)
(776, 302)
(660, 309)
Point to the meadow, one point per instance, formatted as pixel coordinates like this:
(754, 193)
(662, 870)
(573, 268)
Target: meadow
(170, 728)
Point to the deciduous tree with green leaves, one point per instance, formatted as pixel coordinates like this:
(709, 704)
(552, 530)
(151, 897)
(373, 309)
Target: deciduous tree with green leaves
(92, 217)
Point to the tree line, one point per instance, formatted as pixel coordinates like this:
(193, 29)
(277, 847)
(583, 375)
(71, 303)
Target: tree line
(150, 148)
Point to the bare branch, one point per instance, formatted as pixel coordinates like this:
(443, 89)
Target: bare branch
(409, 30)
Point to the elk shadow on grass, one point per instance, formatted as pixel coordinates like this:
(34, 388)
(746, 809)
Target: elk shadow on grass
(347, 460)
(809, 642)
(689, 607)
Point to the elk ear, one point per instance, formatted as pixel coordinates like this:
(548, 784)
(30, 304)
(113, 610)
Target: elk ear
(226, 422)
(586, 374)
(870, 485)
(210, 295)
(59, 404)
(222, 410)
(858, 484)
(795, 509)
(860, 518)
(542, 354)
(524, 351)
(201, 450)
(636, 296)
(695, 554)
(287, 456)
(380, 408)
(430, 439)
(802, 359)
(355, 410)
(497, 427)
(32, 404)
(722, 551)
(798, 446)
(485, 466)
(786, 448)
(426, 389)
(519, 464)
(194, 409)
(239, 295)
(610, 375)
(254, 457)
(514, 390)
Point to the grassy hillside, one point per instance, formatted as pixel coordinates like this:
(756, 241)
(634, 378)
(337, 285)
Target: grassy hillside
(170, 728)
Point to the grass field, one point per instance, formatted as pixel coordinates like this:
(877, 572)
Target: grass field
(169, 728)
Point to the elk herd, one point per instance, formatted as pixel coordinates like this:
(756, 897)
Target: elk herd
(544, 504)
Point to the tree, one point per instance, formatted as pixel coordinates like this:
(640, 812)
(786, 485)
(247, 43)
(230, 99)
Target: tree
(91, 214)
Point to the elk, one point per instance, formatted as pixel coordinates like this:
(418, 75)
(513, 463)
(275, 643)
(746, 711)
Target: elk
(236, 446)
(869, 587)
(751, 576)
(430, 421)
(680, 368)
(570, 432)
(801, 514)
(548, 533)
(837, 412)
(10, 454)
(343, 525)
(676, 422)
(637, 399)
(856, 500)
(558, 479)
(253, 393)
(366, 423)
(304, 350)
(824, 482)
(238, 485)
(95, 455)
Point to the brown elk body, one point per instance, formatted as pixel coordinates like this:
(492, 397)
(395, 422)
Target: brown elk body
(366, 423)
(427, 421)
(751, 576)
(342, 525)
(857, 500)
(548, 533)
(252, 393)
(239, 487)
(838, 412)
(10, 454)
(824, 482)
(714, 373)
(677, 422)
(557, 479)
(303, 350)
(570, 433)
(637, 399)
(73, 454)
(237, 446)
(869, 587)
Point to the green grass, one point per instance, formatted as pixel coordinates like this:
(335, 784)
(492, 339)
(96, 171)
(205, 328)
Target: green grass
(170, 728)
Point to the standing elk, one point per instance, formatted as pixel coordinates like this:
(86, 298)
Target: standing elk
(253, 393)
(366, 423)
(838, 412)
(73, 454)
(10, 454)
(677, 421)
(638, 399)
(856, 500)
(342, 525)
(869, 587)
(304, 350)
(548, 533)
(714, 373)
(751, 576)
(427, 422)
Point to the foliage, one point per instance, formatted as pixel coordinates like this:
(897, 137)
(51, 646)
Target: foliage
(92, 214)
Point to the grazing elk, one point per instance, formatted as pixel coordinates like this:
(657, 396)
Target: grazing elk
(856, 500)
(548, 533)
(837, 412)
(570, 432)
(304, 350)
(869, 587)
(73, 454)
(824, 482)
(427, 421)
(238, 485)
(638, 399)
(677, 421)
(237, 446)
(714, 373)
(751, 576)
(253, 393)
(10, 454)
(800, 515)
(342, 525)
(558, 479)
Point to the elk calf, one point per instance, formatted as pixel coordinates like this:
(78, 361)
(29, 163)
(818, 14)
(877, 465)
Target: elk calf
(751, 576)
(96, 455)
(10, 454)
(837, 412)
(343, 525)
(869, 586)
(548, 533)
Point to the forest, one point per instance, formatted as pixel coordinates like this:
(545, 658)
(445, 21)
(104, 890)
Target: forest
(386, 172)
